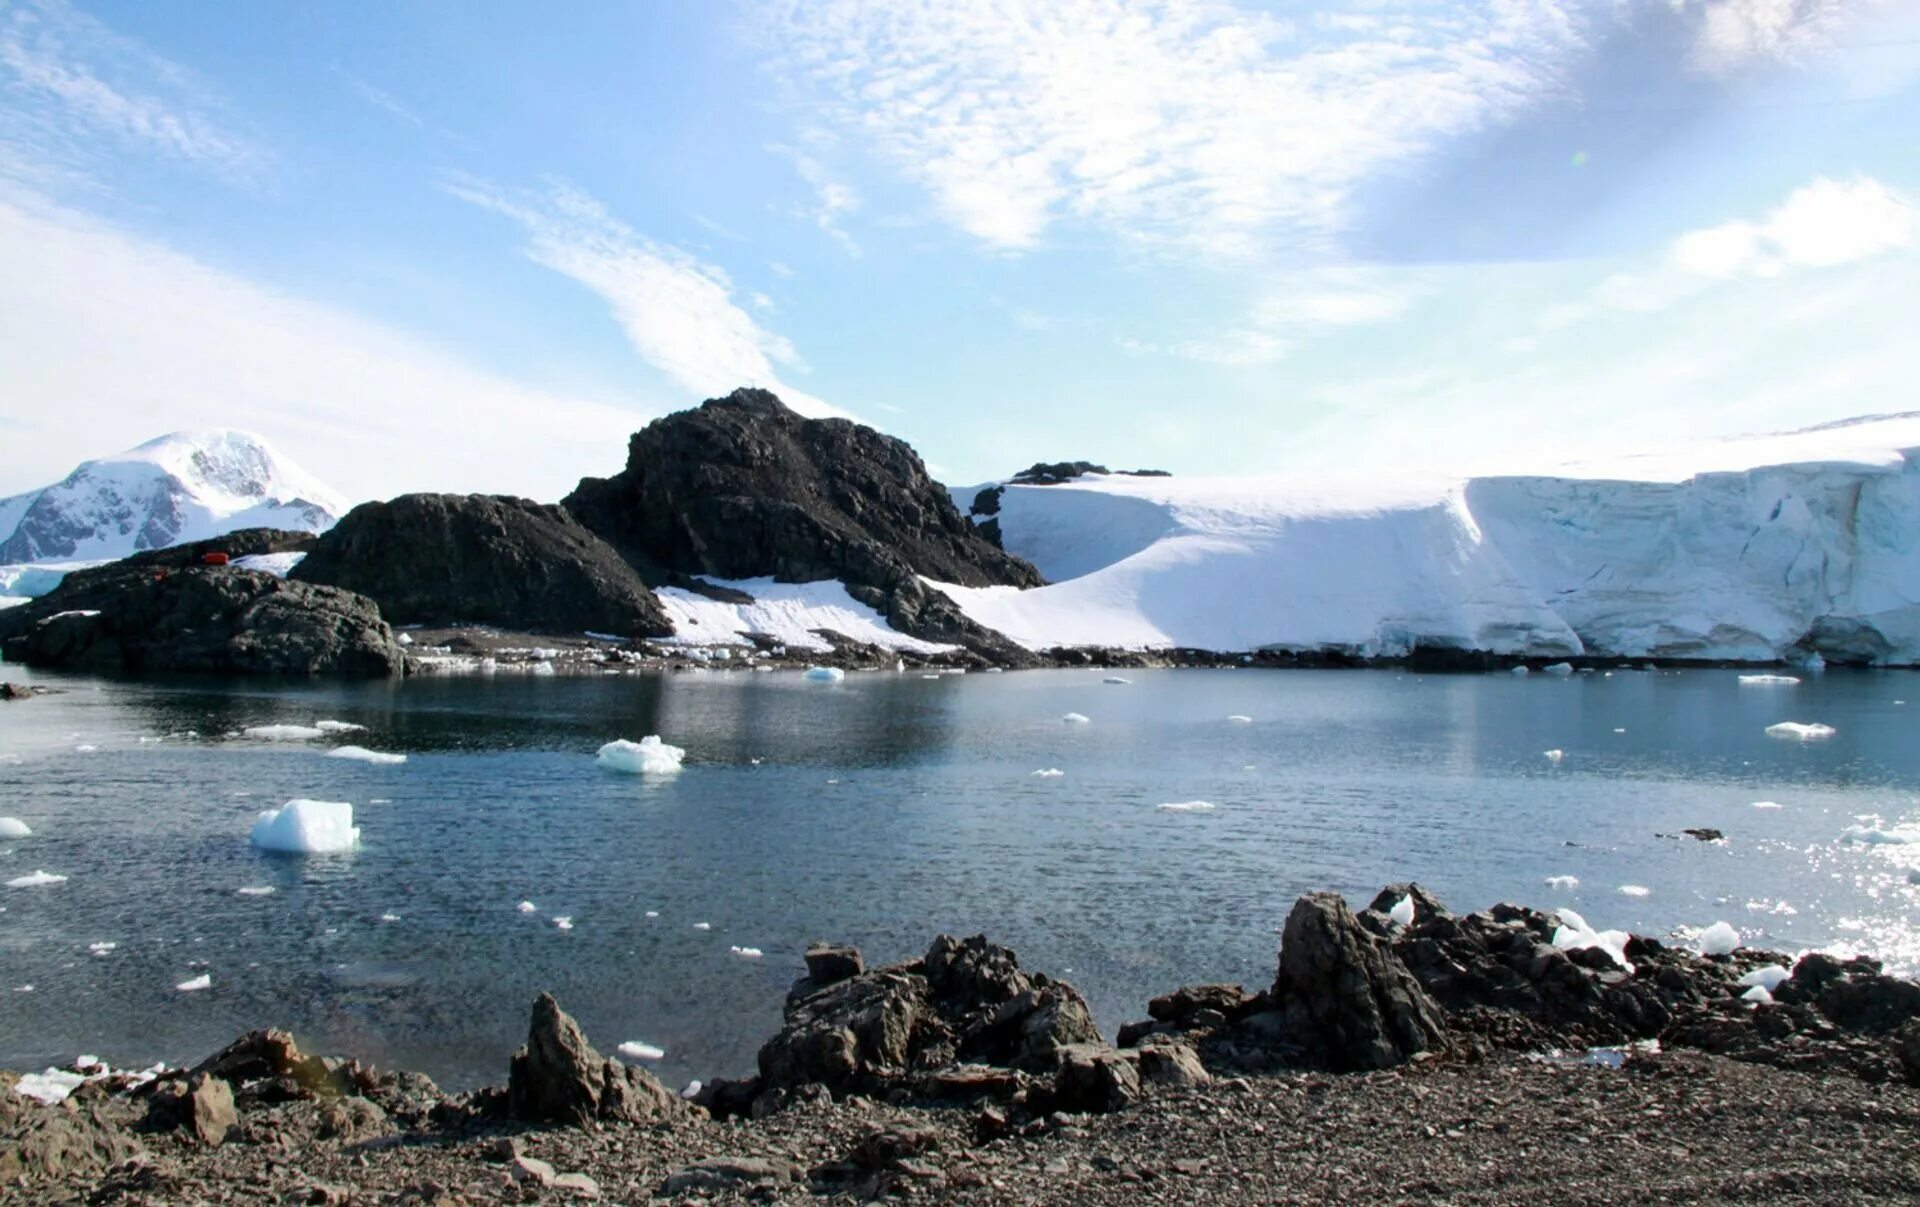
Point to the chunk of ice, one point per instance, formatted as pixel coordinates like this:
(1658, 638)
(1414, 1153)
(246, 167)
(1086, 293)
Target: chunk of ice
(85, 748)
(526, 907)
(1634, 890)
(1766, 804)
(703, 926)
(337, 726)
(101, 948)
(1187, 806)
(1521, 670)
(1801, 730)
(825, 674)
(1767, 976)
(389, 917)
(203, 981)
(747, 953)
(1402, 912)
(1720, 939)
(634, 1049)
(1074, 718)
(1049, 773)
(282, 733)
(1553, 756)
(1239, 719)
(1563, 882)
(1557, 668)
(648, 756)
(1574, 933)
(1116, 679)
(1769, 680)
(307, 827)
(36, 880)
(360, 754)
(1876, 836)
(13, 827)
(255, 890)
(1758, 995)
(562, 922)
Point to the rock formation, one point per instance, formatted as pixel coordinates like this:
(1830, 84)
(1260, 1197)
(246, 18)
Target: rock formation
(559, 1078)
(485, 559)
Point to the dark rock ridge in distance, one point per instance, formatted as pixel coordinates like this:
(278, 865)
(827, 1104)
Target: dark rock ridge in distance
(743, 487)
(163, 611)
(1053, 473)
(483, 559)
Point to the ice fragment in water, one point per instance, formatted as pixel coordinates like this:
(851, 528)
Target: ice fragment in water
(1521, 670)
(13, 827)
(1074, 718)
(703, 926)
(648, 756)
(1634, 890)
(1718, 940)
(282, 733)
(1766, 804)
(203, 981)
(1876, 836)
(36, 880)
(526, 907)
(337, 726)
(1563, 882)
(307, 827)
(255, 890)
(562, 922)
(101, 948)
(825, 674)
(634, 1049)
(1769, 680)
(1116, 679)
(1558, 668)
(749, 953)
(1050, 773)
(1188, 806)
(1240, 719)
(363, 755)
(1553, 756)
(1805, 732)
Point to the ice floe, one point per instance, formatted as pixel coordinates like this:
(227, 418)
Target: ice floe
(703, 926)
(1553, 756)
(389, 917)
(825, 674)
(1634, 890)
(1074, 718)
(747, 953)
(337, 727)
(526, 907)
(1563, 882)
(1187, 806)
(1767, 977)
(1521, 670)
(1574, 933)
(256, 890)
(1116, 679)
(1769, 680)
(1878, 836)
(1049, 773)
(13, 827)
(195, 985)
(1801, 730)
(1239, 719)
(1765, 804)
(307, 827)
(361, 754)
(85, 748)
(1720, 939)
(101, 948)
(282, 733)
(562, 922)
(634, 1049)
(648, 756)
(1557, 668)
(36, 880)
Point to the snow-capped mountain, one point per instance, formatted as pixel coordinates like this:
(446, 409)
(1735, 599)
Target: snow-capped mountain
(1767, 547)
(187, 486)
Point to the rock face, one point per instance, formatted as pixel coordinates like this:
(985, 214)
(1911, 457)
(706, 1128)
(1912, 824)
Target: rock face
(488, 559)
(163, 611)
(743, 487)
(1346, 994)
(559, 1078)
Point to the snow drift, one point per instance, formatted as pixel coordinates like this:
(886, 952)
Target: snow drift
(1759, 549)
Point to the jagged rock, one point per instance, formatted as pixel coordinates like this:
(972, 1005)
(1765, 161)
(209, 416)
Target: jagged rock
(1231, 1001)
(715, 1175)
(559, 1078)
(1347, 996)
(352, 1119)
(1096, 1079)
(742, 487)
(212, 1115)
(488, 559)
(40, 1142)
(156, 612)
(1172, 1064)
(831, 963)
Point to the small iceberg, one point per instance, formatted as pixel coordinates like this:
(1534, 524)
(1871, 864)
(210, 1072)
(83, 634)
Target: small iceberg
(1553, 756)
(203, 981)
(1801, 730)
(1573, 934)
(562, 921)
(360, 754)
(337, 726)
(1116, 679)
(1187, 806)
(389, 917)
(1563, 882)
(101, 948)
(825, 674)
(1767, 977)
(1876, 836)
(703, 926)
(1521, 670)
(1634, 890)
(36, 880)
(747, 953)
(1074, 718)
(1239, 719)
(633, 1049)
(13, 827)
(1758, 995)
(648, 756)
(307, 827)
(526, 907)
(256, 890)
(1558, 668)
(282, 733)
(1765, 804)
(1769, 680)
(1049, 773)
(1402, 912)
(1720, 939)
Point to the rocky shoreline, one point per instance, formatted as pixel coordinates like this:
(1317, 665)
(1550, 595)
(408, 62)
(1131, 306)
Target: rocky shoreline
(1401, 1052)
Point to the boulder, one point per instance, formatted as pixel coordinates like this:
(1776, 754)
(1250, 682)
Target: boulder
(831, 963)
(212, 1116)
(1096, 1079)
(40, 1143)
(1172, 1064)
(1348, 998)
(486, 559)
(559, 1078)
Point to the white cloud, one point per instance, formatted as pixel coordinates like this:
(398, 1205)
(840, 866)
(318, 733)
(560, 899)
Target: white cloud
(677, 312)
(1185, 124)
(109, 339)
(1820, 225)
(1735, 34)
(75, 88)
(1303, 305)
(834, 199)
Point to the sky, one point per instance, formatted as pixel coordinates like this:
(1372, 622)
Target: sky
(422, 246)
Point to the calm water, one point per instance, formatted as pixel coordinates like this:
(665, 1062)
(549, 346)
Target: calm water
(880, 811)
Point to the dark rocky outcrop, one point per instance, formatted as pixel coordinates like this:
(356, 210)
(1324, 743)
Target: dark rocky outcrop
(742, 487)
(484, 559)
(1052, 473)
(164, 611)
(1346, 995)
(559, 1078)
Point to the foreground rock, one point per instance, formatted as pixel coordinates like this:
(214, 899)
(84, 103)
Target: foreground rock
(559, 1078)
(484, 559)
(166, 611)
(743, 487)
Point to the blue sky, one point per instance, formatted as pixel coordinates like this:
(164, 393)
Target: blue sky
(423, 246)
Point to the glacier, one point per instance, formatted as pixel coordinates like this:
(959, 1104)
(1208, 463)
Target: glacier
(1788, 547)
(185, 486)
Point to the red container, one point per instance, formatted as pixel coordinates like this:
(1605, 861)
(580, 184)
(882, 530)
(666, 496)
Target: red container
(213, 559)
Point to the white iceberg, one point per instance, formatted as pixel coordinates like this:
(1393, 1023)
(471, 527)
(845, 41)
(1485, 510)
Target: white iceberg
(1563, 882)
(526, 907)
(747, 953)
(1116, 679)
(1767, 977)
(633, 1049)
(389, 917)
(13, 827)
(703, 926)
(101, 948)
(1877, 836)
(648, 756)
(1758, 995)
(1720, 939)
(825, 674)
(307, 827)
(562, 922)
(1402, 912)
(1769, 680)
(36, 880)
(1634, 890)
(282, 733)
(1187, 806)
(1765, 804)
(256, 890)
(203, 981)
(337, 726)
(360, 754)
(1553, 756)
(1240, 719)
(1803, 731)
(1557, 668)
(1573, 933)
(1074, 718)
(1049, 773)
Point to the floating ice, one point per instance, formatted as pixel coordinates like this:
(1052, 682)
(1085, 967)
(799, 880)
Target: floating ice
(256, 890)
(1074, 718)
(389, 917)
(825, 674)
(1769, 680)
(1563, 882)
(1553, 756)
(1240, 719)
(1402, 912)
(1116, 679)
(562, 922)
(648, 756)
(1574, 933)
(1767, 977)
(404, 638)
(101, 948)
(653, 913)
(703, 926)
(35, 880)
(307, 827)
(9, 760)
(747, 953)
(13, 827)
(360, 754)
(1634, 890)
(1521, 670)
(1766, 804)
(1187, 806)
(1557, 668)
(1718, 940)
(633, 1049)
(337, 726)
(85, 748)
(282, 733)
(203, 981)
(526, 907)
(929, 676)
(1049, 773)
(49, 1087)
(1876, 836)
(1797, 729)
